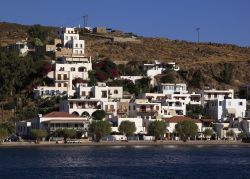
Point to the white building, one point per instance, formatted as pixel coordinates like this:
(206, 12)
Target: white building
(221, 109)
(70, 39)
(89, 99)
(140, 128)
(60, 120)
(171, 122)
(131, 78)
(63, 76)
(172, 88)
(213, 94)
(145, 109)
(153, 69)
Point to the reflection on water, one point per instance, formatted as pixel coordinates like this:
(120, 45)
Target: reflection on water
(126, 162)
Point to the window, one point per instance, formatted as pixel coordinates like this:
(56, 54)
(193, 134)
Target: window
(220, 103)
(116, 91)
(209, 96)
(81, 45)
(59, 85)
(73, 69)
(59, 76)
(65, 84)
(71, 105)
(104, 94)
(83, 93)
(76, 45)
(134, 107)
(81, 51)
(215, 95)
(240, 103)
(65, 76)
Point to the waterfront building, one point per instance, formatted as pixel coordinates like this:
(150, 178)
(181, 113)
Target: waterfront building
(221, 109)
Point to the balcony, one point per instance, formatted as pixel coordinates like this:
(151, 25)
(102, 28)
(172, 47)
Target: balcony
(110, 110)
(120, 111)
(143, 112)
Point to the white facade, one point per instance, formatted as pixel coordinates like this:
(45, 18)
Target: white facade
(131, 78)
(173, 108)
(172, 88)
(70, 39)
(144, 109)
(154, 69)
(221, 109)
(138, 124)
(81, 107)
(64, 74)
(213, 94)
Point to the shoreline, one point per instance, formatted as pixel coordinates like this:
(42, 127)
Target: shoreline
(130, 143)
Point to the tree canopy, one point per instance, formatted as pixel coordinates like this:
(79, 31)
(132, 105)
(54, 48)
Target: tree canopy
(157, 129)
(186, 129)
(99, 129)
(128, 128)
(98, 114)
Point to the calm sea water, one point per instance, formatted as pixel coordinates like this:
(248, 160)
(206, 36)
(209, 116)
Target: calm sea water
(126, 162)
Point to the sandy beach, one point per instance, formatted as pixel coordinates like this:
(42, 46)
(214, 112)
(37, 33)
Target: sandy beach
(122, 143)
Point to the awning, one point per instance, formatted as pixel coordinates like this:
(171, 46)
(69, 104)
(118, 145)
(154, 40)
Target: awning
(231, 110)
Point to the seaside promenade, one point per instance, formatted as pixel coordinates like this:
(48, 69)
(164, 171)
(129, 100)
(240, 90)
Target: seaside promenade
(123, 143)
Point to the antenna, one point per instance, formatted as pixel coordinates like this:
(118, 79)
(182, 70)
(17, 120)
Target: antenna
(85, 20)
(198, 33)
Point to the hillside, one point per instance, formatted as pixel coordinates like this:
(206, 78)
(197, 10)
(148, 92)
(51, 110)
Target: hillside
(205, 58)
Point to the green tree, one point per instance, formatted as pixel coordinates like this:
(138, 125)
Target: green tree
(9, 127)
(228, 73)
(128, 128)
(39, 134)
(3, 134)
(37, 42)
(99, 129)
(67, 133)
(186, 129)
(208, 133)
(197, 79)
(157, 129)
(98, 114)
(241, 135)
(194, 110)
(37, 31)
(230, 134)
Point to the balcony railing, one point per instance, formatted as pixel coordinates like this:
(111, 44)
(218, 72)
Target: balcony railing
(122, 110)
(146, 112)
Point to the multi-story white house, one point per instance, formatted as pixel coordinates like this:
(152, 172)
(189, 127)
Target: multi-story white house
(221, 109)
(172, 88)
(145, 109)
(173, 107)
(63, 76)
(70, 39)
(92, 98)
(213, 94)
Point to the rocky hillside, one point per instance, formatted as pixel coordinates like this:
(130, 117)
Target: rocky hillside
(205, 59)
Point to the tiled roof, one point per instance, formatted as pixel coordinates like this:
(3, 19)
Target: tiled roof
(177, 119)
(59, 114)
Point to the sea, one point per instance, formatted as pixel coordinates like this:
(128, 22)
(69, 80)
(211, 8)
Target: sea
(169, 161)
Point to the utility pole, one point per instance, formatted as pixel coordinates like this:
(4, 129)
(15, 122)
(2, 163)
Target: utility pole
(85, 20)
(198, 33)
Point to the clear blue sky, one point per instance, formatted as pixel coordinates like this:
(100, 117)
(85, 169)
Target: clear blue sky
(223, 21)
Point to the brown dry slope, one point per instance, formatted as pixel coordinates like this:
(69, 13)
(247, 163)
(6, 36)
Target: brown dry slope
(209, 58)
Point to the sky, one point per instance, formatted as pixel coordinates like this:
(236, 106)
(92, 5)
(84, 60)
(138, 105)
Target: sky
(220, 21)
